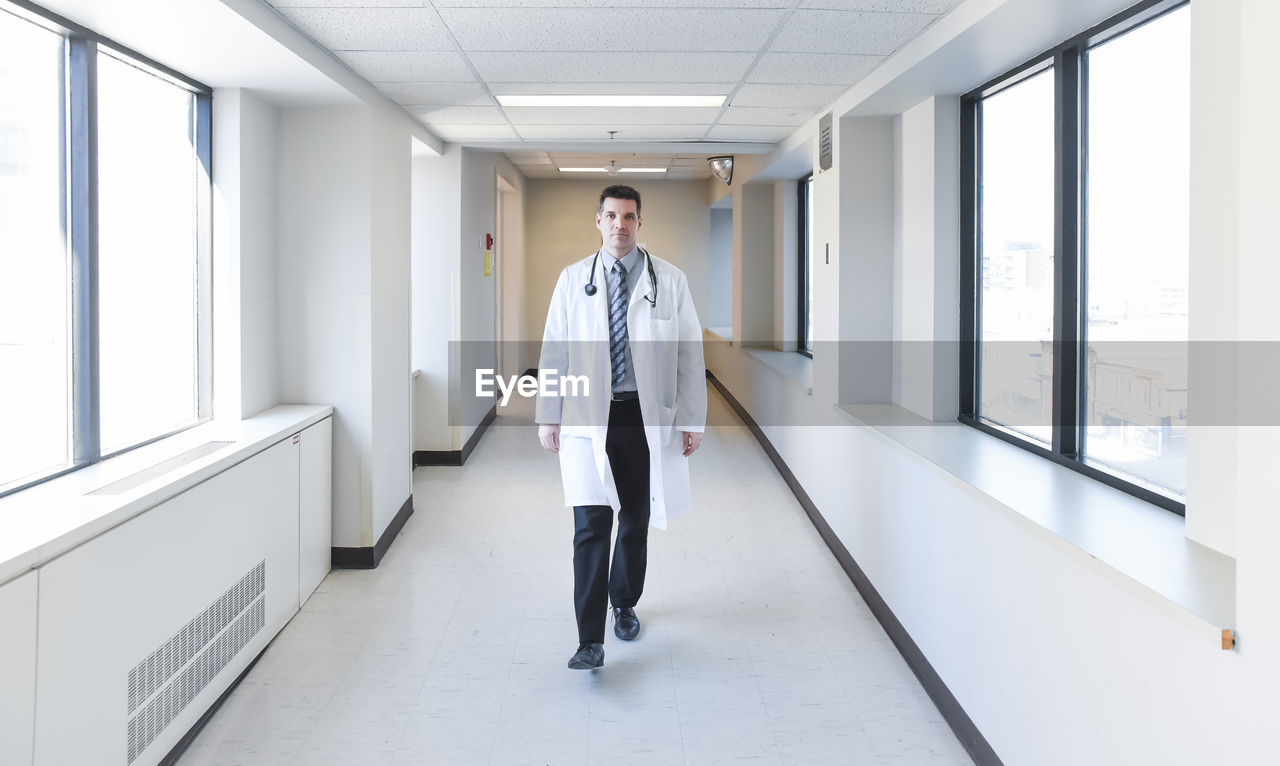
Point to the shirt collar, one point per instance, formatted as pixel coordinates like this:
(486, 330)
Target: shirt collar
(629, 261)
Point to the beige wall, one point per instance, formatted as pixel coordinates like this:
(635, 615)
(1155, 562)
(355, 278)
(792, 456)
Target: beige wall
(560, 229)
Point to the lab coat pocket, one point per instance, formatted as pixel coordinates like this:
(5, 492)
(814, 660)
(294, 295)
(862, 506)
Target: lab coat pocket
(666, 425)
(664, 329)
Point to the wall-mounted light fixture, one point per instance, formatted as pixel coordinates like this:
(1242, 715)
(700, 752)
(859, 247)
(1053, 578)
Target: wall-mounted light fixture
(722, 167)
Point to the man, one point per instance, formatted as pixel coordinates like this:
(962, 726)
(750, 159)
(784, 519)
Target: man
(625, 321)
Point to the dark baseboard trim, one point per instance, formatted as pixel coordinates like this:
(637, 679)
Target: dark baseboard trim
(457, 456)
(470, 446)
(974, 743)
(369, 558)
(177, 751)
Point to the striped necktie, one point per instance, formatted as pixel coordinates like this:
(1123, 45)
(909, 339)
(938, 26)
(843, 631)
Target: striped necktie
(618, 322)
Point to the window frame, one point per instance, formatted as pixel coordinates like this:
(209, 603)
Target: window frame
(1069, 316)
(804, 203)
(80, 228)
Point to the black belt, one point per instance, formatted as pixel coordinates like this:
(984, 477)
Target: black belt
(623, 396)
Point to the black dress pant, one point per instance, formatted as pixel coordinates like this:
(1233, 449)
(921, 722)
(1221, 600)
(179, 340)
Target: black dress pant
(595, 581)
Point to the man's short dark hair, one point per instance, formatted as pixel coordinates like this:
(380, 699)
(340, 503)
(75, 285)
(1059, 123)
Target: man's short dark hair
(619, 192)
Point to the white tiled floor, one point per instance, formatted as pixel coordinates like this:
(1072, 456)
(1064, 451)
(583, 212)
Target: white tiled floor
(754, 648)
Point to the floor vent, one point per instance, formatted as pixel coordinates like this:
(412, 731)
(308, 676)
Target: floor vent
(160, 469)
(173, 675)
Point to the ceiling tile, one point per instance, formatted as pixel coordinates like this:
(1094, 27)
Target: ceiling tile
(890, 6)
(436, 93)
(763, 94)
(813, 68)
(580, 67)
(371, 29)
(473, 132)
(748, 133)
(625, 132)
(409, 66)
(602, 115)
(461, 115)
(849, 32)
(606, 3)
(761, 115)
(613, 88)
(347, 3)
(609, 29)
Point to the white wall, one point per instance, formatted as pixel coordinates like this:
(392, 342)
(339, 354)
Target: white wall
(479, 295)
(560, 229)
(344, 237)
(246, 378)
(325, 284)
(753, 264)
(518, 355)
(786, 269)
(1037, 641)
(389, 361)
(927, 265)
(1213, 455)
(454, 302)
(720, 270)
(436, 241)
(865, 263)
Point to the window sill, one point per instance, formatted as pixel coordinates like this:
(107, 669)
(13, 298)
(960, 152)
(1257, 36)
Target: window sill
(791, 365)
(1135, 544)
(40, 523)
(721, 333)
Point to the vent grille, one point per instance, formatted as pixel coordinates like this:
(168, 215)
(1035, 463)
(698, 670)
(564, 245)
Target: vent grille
(159, 469)
(213, 639)
(161, 665)
(824, 142)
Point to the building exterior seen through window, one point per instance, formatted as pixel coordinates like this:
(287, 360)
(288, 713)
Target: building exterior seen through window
(1077, 206)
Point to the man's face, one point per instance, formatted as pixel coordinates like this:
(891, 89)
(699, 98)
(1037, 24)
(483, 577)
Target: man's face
(618, 223)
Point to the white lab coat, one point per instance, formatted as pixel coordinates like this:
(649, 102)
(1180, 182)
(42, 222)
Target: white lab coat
(666, 354)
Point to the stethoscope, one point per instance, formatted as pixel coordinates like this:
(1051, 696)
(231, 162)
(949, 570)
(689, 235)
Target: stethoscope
(590, 287)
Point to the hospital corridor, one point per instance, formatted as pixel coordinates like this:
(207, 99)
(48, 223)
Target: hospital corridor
(639, 382)
(755, 647)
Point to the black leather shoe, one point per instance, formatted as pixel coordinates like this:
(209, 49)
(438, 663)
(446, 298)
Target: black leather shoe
(626, 625)
(588, 657)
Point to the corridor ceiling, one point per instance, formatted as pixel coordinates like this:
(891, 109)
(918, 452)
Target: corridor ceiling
(778, 62)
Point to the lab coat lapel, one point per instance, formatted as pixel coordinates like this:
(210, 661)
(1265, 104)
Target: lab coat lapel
(640, 290)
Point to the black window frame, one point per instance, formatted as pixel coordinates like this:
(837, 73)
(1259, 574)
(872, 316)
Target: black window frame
(804, 204)
(80, 220)
(1069, 365)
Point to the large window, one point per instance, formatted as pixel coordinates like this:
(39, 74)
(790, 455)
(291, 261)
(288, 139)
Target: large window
(1076, 172)
(104, 241)
(805, 262)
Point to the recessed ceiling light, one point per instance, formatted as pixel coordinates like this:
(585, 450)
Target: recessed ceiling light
(608, 100)
(642, 170)
(582, 170)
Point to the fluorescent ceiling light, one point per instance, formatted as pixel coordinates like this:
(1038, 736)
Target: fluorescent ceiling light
(612, 100)
(642, 170)
(582, 170)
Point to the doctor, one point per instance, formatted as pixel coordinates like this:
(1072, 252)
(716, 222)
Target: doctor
(625, 321)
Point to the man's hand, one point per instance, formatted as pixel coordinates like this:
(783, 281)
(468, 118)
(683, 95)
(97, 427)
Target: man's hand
(549, 435)
(692, 441)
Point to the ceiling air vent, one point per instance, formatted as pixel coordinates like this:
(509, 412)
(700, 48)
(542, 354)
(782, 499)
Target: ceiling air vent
(824, 142)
